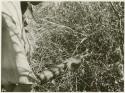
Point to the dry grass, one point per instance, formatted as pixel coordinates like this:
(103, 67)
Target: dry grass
(67, 29)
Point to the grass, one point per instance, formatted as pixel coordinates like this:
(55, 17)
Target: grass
(65, 29)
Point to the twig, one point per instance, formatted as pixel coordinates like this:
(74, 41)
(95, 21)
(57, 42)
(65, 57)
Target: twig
(115, 10)
(56, 24)
(78, 45)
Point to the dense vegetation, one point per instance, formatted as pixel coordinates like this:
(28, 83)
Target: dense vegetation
(65, 29)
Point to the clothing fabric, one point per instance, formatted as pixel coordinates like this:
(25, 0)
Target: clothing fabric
(14, 65)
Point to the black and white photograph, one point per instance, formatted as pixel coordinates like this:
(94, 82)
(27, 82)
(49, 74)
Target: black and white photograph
(62, 46)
